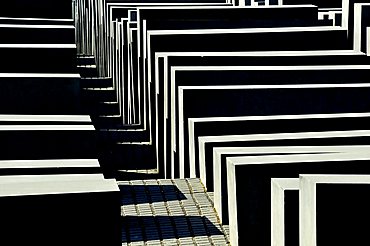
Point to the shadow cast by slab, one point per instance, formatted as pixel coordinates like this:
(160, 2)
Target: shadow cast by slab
(139, 194)
(150, 228)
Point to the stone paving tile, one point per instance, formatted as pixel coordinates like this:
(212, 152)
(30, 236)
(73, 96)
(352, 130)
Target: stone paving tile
(169, 212)
(184, 241)
(170, 242)
(153, 243)
(137, 243)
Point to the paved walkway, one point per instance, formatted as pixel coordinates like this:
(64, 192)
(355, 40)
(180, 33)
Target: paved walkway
(169, 212)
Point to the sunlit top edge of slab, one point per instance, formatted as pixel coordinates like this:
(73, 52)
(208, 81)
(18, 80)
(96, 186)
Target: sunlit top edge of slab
(32, 19)
(40, 46)
(298, 158)
(57, 163)
(46, 128)
(247, 30)
(277, 117)
(336, 179)
(227, 7)
(286, 183)
(40, 75)
(274, 136)
(32, 26)
(61, 187)
(264, 53)
(51, 118)
(290, 149)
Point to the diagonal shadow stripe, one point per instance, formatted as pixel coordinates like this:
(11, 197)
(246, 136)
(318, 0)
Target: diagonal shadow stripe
(155, 191)
(149, 228)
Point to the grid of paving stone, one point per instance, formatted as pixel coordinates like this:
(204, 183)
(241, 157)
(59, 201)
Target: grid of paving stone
(169, 212)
